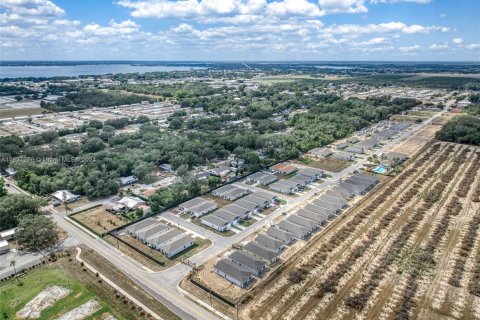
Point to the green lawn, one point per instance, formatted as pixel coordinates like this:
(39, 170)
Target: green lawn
(14, 297)
(247, 223)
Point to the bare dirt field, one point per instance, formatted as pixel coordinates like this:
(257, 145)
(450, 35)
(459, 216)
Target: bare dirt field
(100, 220)
(410, 250)
(414, 143)
(328, 164)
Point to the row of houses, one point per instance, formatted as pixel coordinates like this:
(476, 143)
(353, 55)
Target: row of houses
(303, 178)
(223, 219)
(230, 192)
(198, 207)
(160, 236)
(263, 178)
(251, 260)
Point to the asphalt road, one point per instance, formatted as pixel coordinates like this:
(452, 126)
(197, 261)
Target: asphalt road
(163, 285)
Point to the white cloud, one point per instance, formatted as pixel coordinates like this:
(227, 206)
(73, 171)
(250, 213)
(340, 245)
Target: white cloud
(32, 7)
(409, 48)
(396, 1)
(436, 46)
(473, 46)
(238, 10)
(458, 40)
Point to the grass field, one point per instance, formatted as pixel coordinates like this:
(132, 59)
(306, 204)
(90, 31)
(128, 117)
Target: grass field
(10, 113)
(100, 220)
(14, 297)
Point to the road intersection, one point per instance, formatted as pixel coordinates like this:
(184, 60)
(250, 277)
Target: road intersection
(163, 285)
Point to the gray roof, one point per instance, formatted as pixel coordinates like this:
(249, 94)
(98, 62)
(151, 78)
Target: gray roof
(246, 259)
(264, 195)
(320, 218)
(258, 250)
(193, 203)
(175, 244)
(280, 234)
(269, 242)
(163, 236)
(311, 172)
(334, 194)
(224, 189)
(204, 206)
(355, 181)
(141, 224)
(293, 228)
(151, 230)
(237, 192)
(247, 205)
(319, 209)
(256, 175)
(217, 221)
(239, 211)
(338, 189)
(301, 179)
(225, 215)
(253, 198)
(233, 270)
(302, 221)
(327, 205)
(334, 200)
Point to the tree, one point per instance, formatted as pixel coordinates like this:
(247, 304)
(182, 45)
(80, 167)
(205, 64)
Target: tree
(143, 170)
(14, 207)
(36, 232)
(3, 191)
(155, 207)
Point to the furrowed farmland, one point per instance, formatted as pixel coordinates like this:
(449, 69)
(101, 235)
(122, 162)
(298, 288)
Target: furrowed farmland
(409, 250)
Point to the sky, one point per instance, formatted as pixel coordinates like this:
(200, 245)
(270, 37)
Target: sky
(240, 30)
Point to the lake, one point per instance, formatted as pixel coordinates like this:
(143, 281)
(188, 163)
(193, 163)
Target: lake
(82, 69)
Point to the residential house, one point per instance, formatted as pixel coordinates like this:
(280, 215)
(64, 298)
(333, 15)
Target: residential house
(8, 234)
(125, 181)
(282, 235)
(285, 186)
(216, 223)
(176, 245)
(320, 152)
(132, 229)
(233, 272)
(345, 156)
(221, 172)
(297, 230)
(131, 202)
(248, 261)
(259, 251)
(317, 217)
(311, 225)
(269, 242)
(65, 196)
(4, 248)
(159, 238)
(283, 168)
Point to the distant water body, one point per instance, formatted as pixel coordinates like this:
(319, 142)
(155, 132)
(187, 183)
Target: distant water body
(27, 71)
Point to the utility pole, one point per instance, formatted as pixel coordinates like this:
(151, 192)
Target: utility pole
(64, 197)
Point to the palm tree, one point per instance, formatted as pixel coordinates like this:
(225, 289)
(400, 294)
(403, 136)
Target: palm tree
(12, 264)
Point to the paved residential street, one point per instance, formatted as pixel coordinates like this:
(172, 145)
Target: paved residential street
(163, 285)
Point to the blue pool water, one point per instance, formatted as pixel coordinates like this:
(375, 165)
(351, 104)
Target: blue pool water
(380, 169)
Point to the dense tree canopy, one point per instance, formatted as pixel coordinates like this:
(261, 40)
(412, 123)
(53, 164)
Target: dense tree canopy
(36, 232)
(14, 207)
(461, 129)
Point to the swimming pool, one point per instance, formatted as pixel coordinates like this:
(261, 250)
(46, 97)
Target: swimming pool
(380, 169)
